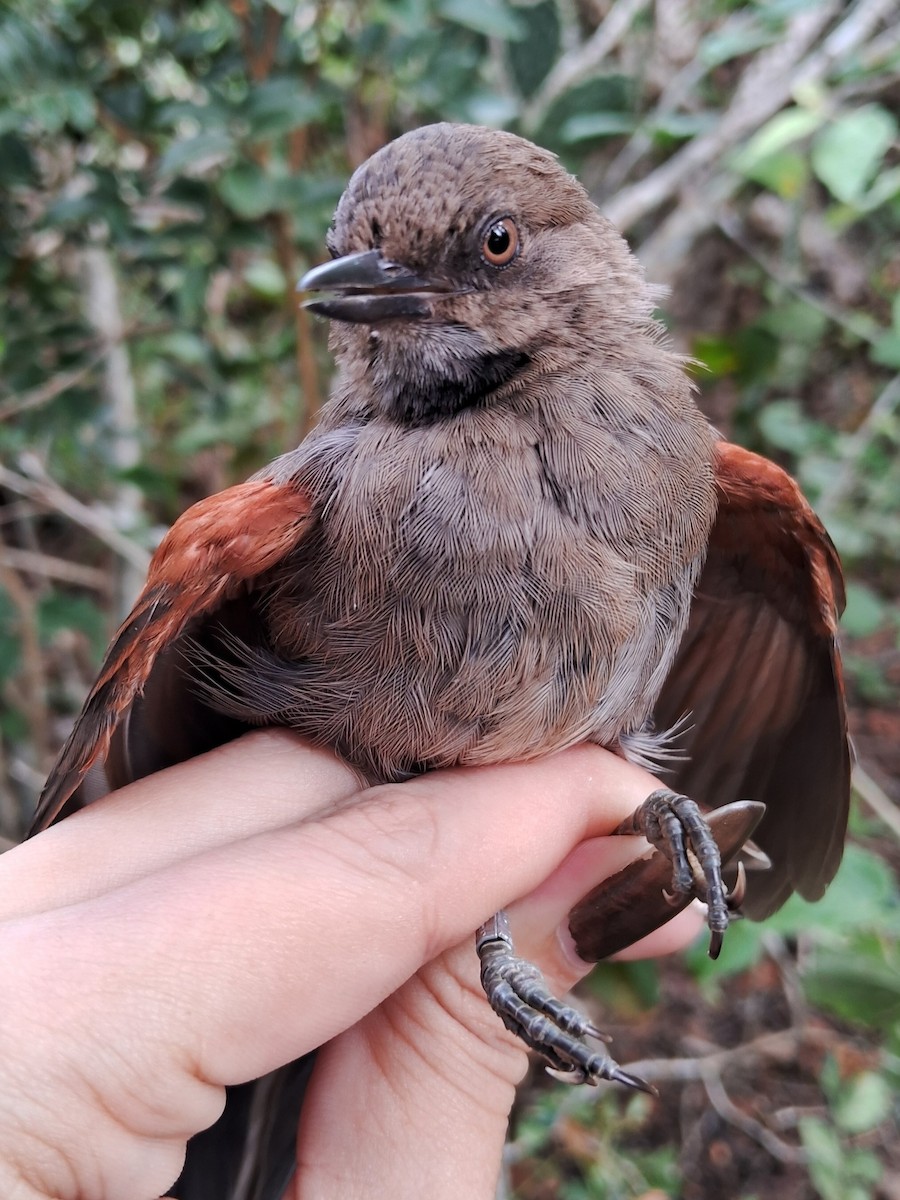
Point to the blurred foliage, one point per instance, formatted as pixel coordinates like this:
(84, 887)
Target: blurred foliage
(167, 174)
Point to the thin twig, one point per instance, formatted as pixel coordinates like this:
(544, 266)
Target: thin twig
(39, 396)
(32, 670)
(677, 90)
(843, 479)
(11, 816)
(780, 1046)
(875, 798)
(48, 493)
(790, 982)
(764, 88)
(103, 309)
(729, 1112)
(704, 187)
(51, 567)
(732, 228)
(578, 64)
(309, 373)
(305, 351)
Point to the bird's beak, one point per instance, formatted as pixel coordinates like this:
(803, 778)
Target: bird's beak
(367, 288)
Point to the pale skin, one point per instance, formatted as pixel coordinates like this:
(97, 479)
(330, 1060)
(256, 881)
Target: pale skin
(174, 938)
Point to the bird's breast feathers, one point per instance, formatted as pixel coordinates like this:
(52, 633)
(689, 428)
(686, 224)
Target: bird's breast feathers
(500, 606)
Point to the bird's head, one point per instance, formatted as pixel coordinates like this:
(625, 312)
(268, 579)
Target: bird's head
(462, 256)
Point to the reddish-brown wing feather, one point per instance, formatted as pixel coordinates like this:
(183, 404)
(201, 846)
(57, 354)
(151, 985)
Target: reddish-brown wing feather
(759, 673)
(213, 551)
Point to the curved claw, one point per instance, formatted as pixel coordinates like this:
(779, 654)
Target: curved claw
(573, 1077)
(597, 1034)
(716, 938)
(617, 1075)
(735, 898)
(634, 1081)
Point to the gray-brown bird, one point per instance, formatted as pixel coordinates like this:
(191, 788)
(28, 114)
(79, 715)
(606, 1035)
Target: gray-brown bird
(510, 531)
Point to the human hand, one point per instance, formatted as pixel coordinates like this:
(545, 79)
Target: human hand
(207, 924)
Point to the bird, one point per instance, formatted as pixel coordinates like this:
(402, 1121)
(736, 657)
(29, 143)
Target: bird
(511, 530)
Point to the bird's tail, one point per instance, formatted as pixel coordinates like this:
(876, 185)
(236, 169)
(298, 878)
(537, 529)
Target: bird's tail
(250, 1152)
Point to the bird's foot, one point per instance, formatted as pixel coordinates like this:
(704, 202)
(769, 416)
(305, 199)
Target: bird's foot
(676, 827)
(519, 996)
(641, 897)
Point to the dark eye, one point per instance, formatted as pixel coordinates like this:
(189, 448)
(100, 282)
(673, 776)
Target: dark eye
(501, 243)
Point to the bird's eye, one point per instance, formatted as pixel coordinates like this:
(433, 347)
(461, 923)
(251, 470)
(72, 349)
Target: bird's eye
(501, 243)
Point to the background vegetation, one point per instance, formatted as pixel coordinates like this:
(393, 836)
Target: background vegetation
(165, 176)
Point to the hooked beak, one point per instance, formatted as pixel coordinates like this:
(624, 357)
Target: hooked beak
(366, 288)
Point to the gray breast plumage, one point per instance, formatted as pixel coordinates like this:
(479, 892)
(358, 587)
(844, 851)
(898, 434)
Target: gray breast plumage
(452, 606)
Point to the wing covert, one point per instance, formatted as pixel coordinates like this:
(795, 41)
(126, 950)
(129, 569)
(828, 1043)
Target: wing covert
(212, 552)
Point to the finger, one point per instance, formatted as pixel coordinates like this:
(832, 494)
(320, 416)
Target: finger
(458, 1064)
(540, 920)
(269, 946)
(261, 782)
(675, 935)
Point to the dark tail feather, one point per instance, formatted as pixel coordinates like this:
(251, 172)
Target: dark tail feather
(251, 1151)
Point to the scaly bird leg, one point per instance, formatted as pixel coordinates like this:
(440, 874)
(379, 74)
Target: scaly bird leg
(519, 996)
(690, 849)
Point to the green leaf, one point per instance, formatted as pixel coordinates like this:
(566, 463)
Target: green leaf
(837, 1172)
(596, 125)
(885, 187)
(185, 347)
(863, 1103)
(776, 135)
(865, 612)
(192, 151)
(743, 948)
(628, 987)
(609, 98)
(861, 896)
(10, 641)
(59, 610)
(280, 105)
(784, 173)
(492, 18)
(248, 191)
(886, 350)
(717, 354)
(822, 1145)
(81, 107)
(266, 278)
(681, 125)
(856, 989)
(721, 46)
(784, 424)
(747, 354)
(846, 153)
(795, 320)
(531, 58)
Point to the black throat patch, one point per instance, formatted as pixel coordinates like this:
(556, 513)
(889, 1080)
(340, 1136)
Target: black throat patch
(424, 396)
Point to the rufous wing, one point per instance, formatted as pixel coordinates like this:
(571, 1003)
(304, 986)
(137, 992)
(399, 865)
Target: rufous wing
(209, 556)
(758, 675)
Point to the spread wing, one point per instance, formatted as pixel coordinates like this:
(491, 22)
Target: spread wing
(759, 674)
(208, 558)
